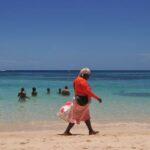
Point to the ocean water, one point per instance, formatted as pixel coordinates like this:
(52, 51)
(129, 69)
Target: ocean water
(125, 95)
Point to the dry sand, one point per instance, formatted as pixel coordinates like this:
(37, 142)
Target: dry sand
(119, 136)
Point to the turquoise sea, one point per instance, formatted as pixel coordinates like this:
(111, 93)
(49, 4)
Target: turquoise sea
(125, 95)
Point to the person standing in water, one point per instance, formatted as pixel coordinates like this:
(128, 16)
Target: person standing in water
(22, 95)
(83, 95)
(59, 91)
(34, 92)
(65, 91)
(48, 90)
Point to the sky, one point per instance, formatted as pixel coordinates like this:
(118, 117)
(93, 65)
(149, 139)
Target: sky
(71, 34)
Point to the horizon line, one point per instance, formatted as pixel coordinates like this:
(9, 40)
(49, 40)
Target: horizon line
(3, 70)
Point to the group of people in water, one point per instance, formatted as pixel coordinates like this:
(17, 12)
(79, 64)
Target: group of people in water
(22, 94)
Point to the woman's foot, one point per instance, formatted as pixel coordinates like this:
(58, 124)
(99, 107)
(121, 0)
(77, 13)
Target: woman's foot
(93, 132)
(67, 133)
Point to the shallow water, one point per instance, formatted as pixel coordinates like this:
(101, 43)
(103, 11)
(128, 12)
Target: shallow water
(125, 94)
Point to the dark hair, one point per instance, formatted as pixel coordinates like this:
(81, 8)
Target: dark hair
(34, 89)
(66, 87)
(22, 89)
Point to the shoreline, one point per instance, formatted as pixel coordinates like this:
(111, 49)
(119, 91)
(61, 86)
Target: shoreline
(122, 136)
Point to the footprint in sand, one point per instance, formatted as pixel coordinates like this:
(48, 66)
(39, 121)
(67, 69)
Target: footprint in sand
(108, 147)
(27, 141)
(104, 135)
(44, 139)
(88, 140)
(22, 143)
(84, 148)
(52, 139)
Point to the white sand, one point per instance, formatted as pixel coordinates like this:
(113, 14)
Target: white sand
(120, 136)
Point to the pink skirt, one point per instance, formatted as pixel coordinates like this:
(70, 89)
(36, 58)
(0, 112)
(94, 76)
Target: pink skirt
(79, 113)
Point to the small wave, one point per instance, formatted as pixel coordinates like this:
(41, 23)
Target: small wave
(3, 70)
(134, 94)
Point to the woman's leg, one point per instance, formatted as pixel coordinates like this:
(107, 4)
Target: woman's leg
(67, 132)
(89, 126)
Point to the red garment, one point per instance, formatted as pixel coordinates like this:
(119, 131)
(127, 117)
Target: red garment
(81, 113)
(82, 88)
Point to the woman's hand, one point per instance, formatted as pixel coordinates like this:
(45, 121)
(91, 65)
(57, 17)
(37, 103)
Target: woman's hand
(100, 100)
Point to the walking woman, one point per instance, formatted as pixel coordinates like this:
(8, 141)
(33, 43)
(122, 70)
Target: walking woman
(83, 95)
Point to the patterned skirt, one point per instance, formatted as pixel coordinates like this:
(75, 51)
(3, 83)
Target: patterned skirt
(79, 113)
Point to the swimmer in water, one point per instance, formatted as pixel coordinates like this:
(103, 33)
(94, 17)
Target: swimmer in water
(65, 91)
(22, 95)
(59, 91)
(34, 92)
(48, 91)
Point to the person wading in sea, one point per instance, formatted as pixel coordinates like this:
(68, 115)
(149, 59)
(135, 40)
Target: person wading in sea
(22, 95)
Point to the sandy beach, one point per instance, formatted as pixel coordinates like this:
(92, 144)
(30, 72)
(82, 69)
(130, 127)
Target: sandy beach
(118, 136)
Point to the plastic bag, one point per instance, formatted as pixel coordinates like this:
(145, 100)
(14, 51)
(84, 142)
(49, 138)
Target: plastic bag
(65, 110)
